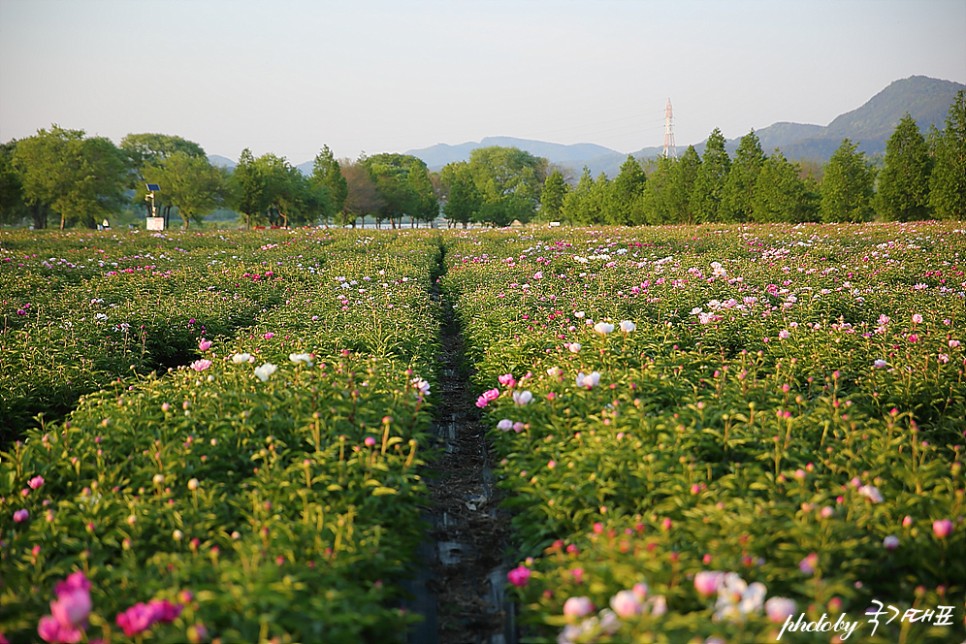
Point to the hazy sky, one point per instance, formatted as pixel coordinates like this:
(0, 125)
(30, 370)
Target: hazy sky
(288, 76)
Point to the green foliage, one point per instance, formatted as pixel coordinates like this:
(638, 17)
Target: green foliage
(329, 183)
(552, 196)
(509, 181)
(404, 187)
(780, 194)
(144, 149)
(463, 200)
(738, 196)
(847, 187)
(189, 183)
(948, 184)
(82, 179)
(903, 182)
(587, 203)
(626, 194)
(12, 206)
(709, 183)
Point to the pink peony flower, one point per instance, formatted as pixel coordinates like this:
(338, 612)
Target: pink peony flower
(200, 365)
(507, 380)
(916, 318)
(626, 604)
(487, 397)
(136, 619)
(578, 607)
(35, 483)
(706, 582)
(519, 576)
(204, 344)
(20, 516)
(50, 630)
(942, 528)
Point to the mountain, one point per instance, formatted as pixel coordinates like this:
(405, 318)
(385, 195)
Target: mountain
(221, 162)
(574, 155)
(927, 100)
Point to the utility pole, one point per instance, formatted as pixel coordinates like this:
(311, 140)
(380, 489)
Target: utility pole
(670, 152)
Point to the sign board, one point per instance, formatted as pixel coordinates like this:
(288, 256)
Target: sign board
(155, 223)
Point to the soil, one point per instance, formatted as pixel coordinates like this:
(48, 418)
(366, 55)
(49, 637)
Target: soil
(460, 592)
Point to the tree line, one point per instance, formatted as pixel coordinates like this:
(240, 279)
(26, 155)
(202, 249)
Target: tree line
(65, 176)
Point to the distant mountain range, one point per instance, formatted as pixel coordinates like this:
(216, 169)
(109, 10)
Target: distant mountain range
(927, 100)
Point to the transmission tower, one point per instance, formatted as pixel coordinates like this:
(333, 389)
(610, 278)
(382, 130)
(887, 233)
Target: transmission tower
(670, 152)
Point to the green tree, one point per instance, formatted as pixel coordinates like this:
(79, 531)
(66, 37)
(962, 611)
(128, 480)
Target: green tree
(404, 185)
(189, 183)
(738, 196)
(327, 176)
(362, 197)
(285, 192)
(82, 179)
(510, 182)
(903, 188)
(948, 183)
(705, 199)
(586, 204)
(847, 187)
(13, 209)
(779, 193)
(552, 196)
(656, 204)
(682, 182)
(144, 149)
(248, 188)
(626, 194)
(463, 200)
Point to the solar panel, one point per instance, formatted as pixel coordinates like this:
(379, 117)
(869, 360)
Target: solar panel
(153, 187)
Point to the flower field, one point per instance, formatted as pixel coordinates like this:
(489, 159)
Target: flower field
(701, 432)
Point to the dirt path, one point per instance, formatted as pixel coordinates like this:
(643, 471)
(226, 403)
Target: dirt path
(463, 584)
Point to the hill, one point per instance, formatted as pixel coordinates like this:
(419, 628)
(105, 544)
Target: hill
(927, 100)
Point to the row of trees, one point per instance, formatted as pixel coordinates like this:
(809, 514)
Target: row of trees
(920, 177)
(83, 179)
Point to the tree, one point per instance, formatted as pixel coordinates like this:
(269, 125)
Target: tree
(248, 188)
(12, 206)
(189, 183)
(285, 192)
(682, 182)
(510, 182)
(903, 190)
(587, 202)
(847, 187)
(82, 179)
(362, 197)
(144, 149)
(738, 196)
(948, 183)
(705, 200)
(658, 192)
(327, 175)
(552, 196)
(404, 186)
(463, 200)
(626, 194)
(779, 193)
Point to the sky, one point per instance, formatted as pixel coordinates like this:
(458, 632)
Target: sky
(365, 76)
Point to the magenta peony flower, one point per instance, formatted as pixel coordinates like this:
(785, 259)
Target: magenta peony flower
(519, 576)
(20, 516)
(942, 528)
(50, 630)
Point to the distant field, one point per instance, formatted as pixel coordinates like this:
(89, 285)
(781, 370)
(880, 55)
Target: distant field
(701, 432)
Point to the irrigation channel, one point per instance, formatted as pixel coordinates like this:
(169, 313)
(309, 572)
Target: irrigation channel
(460, 587)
